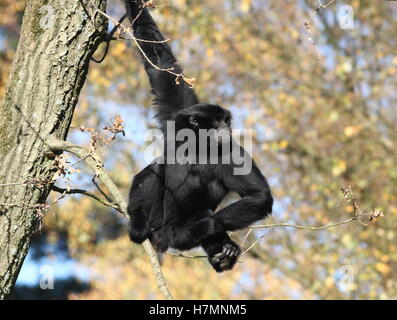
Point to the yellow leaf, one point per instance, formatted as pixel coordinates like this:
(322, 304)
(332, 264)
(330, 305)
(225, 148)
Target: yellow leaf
(265, 147)
(382, 267)
(245, 5)
(351, 131)
(333, 116)
(339, 168)
(119, 48)
(283, 144)
(329, 282)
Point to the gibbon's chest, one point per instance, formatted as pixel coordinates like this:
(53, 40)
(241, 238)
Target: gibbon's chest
(200, 186)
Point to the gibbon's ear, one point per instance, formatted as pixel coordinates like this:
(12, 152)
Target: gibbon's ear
(228, 121)
(193, 120)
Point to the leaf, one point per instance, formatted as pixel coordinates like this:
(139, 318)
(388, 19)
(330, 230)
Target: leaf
(352, 131)
(245, 5)
(382, 267)
(339, 168)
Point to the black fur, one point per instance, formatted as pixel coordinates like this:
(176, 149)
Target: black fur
(173, 204)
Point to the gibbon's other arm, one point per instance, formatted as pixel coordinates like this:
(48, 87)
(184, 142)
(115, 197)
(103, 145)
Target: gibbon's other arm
(145, 205)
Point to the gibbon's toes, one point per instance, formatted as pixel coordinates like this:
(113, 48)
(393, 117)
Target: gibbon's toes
(226, 259)
(231, 250)
(137, 235)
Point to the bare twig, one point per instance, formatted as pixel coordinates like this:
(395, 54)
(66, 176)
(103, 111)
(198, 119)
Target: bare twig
(246, 237)
(100, 189)
(356, 216)
(296, 226)
(265, 226)
(182, 255)
(320, 6)
(89, 194)
(273, 225)
(309, 21)
(178, 76)
(109, 37)
(94, 162)
(348, 196)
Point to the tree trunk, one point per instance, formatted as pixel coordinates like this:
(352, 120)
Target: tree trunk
(57, 41)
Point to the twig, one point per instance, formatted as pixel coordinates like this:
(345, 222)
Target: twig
(265, 226)
(109, 37)
(290, 225)
(246, 237)
(308, 22)
(321, 6)
(189, 81)
(182, 255)
(89, 194)
(100, 189)
(93, 161)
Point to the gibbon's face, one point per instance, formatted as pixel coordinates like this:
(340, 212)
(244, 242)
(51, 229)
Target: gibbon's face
(209, 116)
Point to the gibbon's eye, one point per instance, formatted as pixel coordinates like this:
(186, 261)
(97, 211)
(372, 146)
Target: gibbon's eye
(194, 121)
(228, 121)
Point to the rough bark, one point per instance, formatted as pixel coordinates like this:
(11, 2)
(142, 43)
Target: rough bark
(47, 74)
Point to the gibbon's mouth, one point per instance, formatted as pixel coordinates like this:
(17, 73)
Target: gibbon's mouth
(222, 135)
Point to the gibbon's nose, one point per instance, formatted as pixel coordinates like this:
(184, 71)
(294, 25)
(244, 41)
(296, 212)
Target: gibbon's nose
(223, 127)
(220, 124)
(223, 134)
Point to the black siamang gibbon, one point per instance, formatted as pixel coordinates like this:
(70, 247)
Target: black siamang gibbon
(173, 204)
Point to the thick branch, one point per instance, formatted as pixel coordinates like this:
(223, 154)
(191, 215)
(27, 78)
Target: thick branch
(94, 162)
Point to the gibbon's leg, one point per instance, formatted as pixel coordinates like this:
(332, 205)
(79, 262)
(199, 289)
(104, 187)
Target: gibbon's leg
(221, 250)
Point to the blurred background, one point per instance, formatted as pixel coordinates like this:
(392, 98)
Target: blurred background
(321, 99)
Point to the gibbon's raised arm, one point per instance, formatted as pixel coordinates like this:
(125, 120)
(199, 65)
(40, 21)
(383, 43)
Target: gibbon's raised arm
(169, 96)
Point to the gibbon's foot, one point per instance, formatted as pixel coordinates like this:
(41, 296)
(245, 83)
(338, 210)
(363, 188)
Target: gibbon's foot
(225, 259)
(205, 228)
(139, 232)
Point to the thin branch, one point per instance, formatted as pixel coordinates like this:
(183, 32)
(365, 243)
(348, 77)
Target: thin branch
(109, 37)
(94, 162)
(182, 255)
(246, 237)
(265, 226)
(309, 21)
(289, 225)
(321, 6)
(328, 226)
(189, 81)
(89, 194)
(100, 189)
(357, 214)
